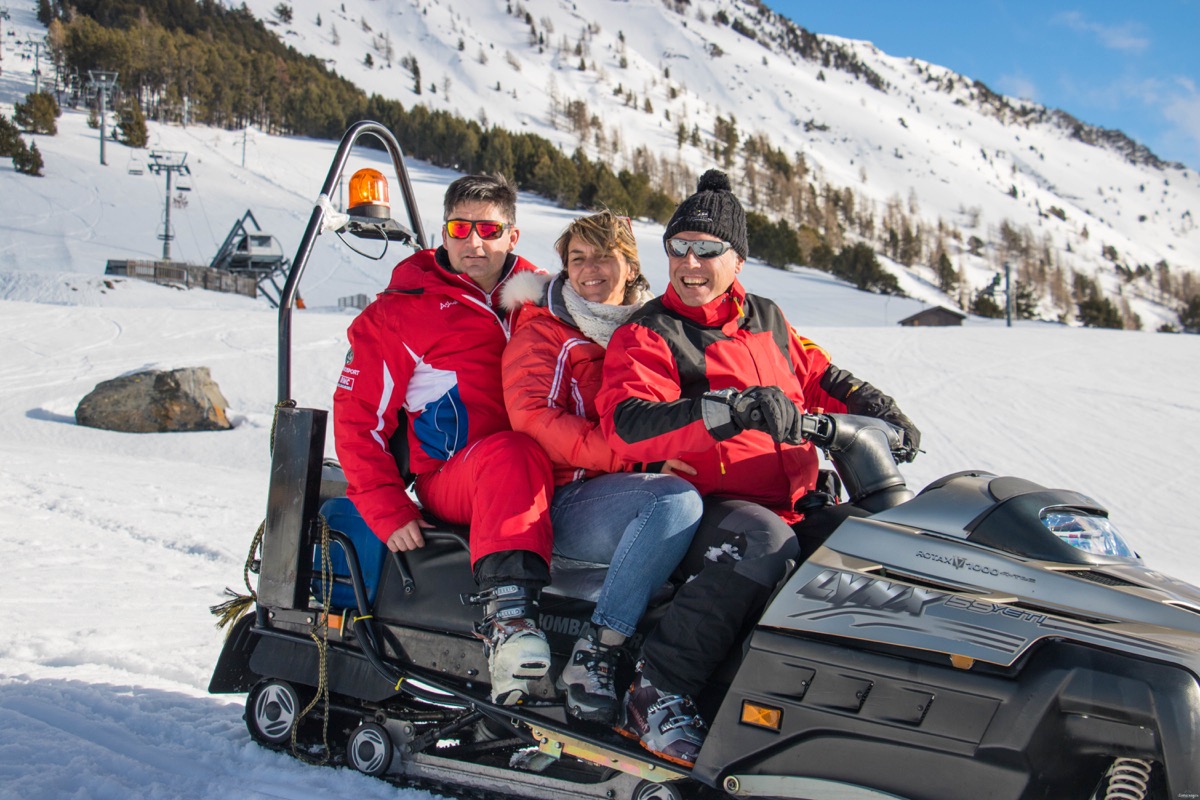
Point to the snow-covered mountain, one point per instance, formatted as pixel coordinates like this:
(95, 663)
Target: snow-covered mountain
(878, 148)
(906, 141)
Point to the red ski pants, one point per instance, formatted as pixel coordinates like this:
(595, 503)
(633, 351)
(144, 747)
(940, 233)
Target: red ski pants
(501, 486)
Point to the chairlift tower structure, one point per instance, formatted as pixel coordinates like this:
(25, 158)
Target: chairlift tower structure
(37, 66)
(168, 162)
(103, 81)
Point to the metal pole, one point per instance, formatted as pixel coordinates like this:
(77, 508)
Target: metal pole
(244, 147)
(291, 285)
(104, 81)
(1008, 294)
(103, 136)
(167, 221)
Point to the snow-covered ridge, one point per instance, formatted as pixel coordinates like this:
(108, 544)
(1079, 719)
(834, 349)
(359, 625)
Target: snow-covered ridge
(893, 131)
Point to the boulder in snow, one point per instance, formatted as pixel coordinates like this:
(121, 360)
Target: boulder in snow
(156, 401)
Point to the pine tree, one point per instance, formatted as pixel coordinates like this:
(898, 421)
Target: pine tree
(1025, 300)
(132, 124)
(947, 275)
(10, 138)
(1099, 312)
(28, 160)
(859, 265)
(985, 304)
(1189, 316)
(38, 114)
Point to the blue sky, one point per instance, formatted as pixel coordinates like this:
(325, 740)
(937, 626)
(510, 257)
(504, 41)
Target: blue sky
(1131, 66)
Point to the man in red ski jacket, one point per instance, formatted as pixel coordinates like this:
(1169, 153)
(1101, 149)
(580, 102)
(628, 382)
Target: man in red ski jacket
(717, 378)
(425, 355)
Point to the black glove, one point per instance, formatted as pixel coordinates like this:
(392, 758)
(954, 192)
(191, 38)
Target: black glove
(768, 409)
(912, 434)
(759, 408)
(870, 402)
(862, 398)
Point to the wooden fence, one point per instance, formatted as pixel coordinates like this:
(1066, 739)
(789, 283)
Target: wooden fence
(187, 275)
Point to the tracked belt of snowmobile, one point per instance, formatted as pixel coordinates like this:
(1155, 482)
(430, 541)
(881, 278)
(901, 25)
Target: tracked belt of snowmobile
(448, 789)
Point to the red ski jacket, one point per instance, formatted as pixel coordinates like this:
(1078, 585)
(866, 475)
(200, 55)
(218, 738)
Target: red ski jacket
(430, 345)
(552, 373)
(660, 364)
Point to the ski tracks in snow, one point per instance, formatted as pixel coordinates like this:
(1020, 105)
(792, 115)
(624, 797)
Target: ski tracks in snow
(100, 740)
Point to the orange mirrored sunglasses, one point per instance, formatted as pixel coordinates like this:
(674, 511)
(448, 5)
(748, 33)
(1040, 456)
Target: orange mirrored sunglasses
(486, 228)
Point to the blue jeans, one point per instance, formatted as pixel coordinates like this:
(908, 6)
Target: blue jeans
(640, 524)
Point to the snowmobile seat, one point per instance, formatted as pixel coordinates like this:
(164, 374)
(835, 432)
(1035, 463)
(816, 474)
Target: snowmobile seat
(583, 580)
(579, 580)
(342, 516)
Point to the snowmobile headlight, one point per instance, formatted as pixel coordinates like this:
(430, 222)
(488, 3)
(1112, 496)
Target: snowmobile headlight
(1091, 533)
(369, 195)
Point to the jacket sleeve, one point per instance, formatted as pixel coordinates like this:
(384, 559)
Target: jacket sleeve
(641, 409)
(366, 409)
(812, 370)
(538, 394)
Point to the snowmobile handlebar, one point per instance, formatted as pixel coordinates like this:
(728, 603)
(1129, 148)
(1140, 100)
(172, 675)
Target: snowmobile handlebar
(865, 452)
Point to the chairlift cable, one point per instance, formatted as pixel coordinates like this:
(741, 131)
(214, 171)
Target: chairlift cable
(204, 212)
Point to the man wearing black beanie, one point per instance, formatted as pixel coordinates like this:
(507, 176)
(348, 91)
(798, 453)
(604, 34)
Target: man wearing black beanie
(718, 378)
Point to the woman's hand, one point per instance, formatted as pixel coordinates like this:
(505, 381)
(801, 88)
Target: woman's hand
(673, 466)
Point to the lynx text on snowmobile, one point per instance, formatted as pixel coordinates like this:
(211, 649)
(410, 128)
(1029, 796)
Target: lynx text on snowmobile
(985, 638)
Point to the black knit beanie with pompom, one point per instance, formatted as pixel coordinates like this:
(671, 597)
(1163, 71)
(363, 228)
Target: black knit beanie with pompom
(714, 210)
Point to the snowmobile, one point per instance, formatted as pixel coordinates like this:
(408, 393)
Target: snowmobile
(986, 637)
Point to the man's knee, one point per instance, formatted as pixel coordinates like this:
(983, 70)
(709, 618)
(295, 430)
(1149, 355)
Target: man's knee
(746, 535)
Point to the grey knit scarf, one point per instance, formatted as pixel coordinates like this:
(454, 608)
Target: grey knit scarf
(597, 321)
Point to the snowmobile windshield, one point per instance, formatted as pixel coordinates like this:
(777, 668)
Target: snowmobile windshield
(1088, 532)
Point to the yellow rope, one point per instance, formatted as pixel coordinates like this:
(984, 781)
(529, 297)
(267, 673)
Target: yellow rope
(322, 642)
(238, 603)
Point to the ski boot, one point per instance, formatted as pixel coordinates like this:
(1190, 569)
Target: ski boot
(588, 680)
(517, 650)
(667, 725)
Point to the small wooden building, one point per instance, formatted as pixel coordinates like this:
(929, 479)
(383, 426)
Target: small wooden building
(936, 316)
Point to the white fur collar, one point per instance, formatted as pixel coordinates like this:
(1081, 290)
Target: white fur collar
(524, 287)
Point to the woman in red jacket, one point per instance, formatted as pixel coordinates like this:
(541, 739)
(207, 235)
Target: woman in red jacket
(639, 519)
